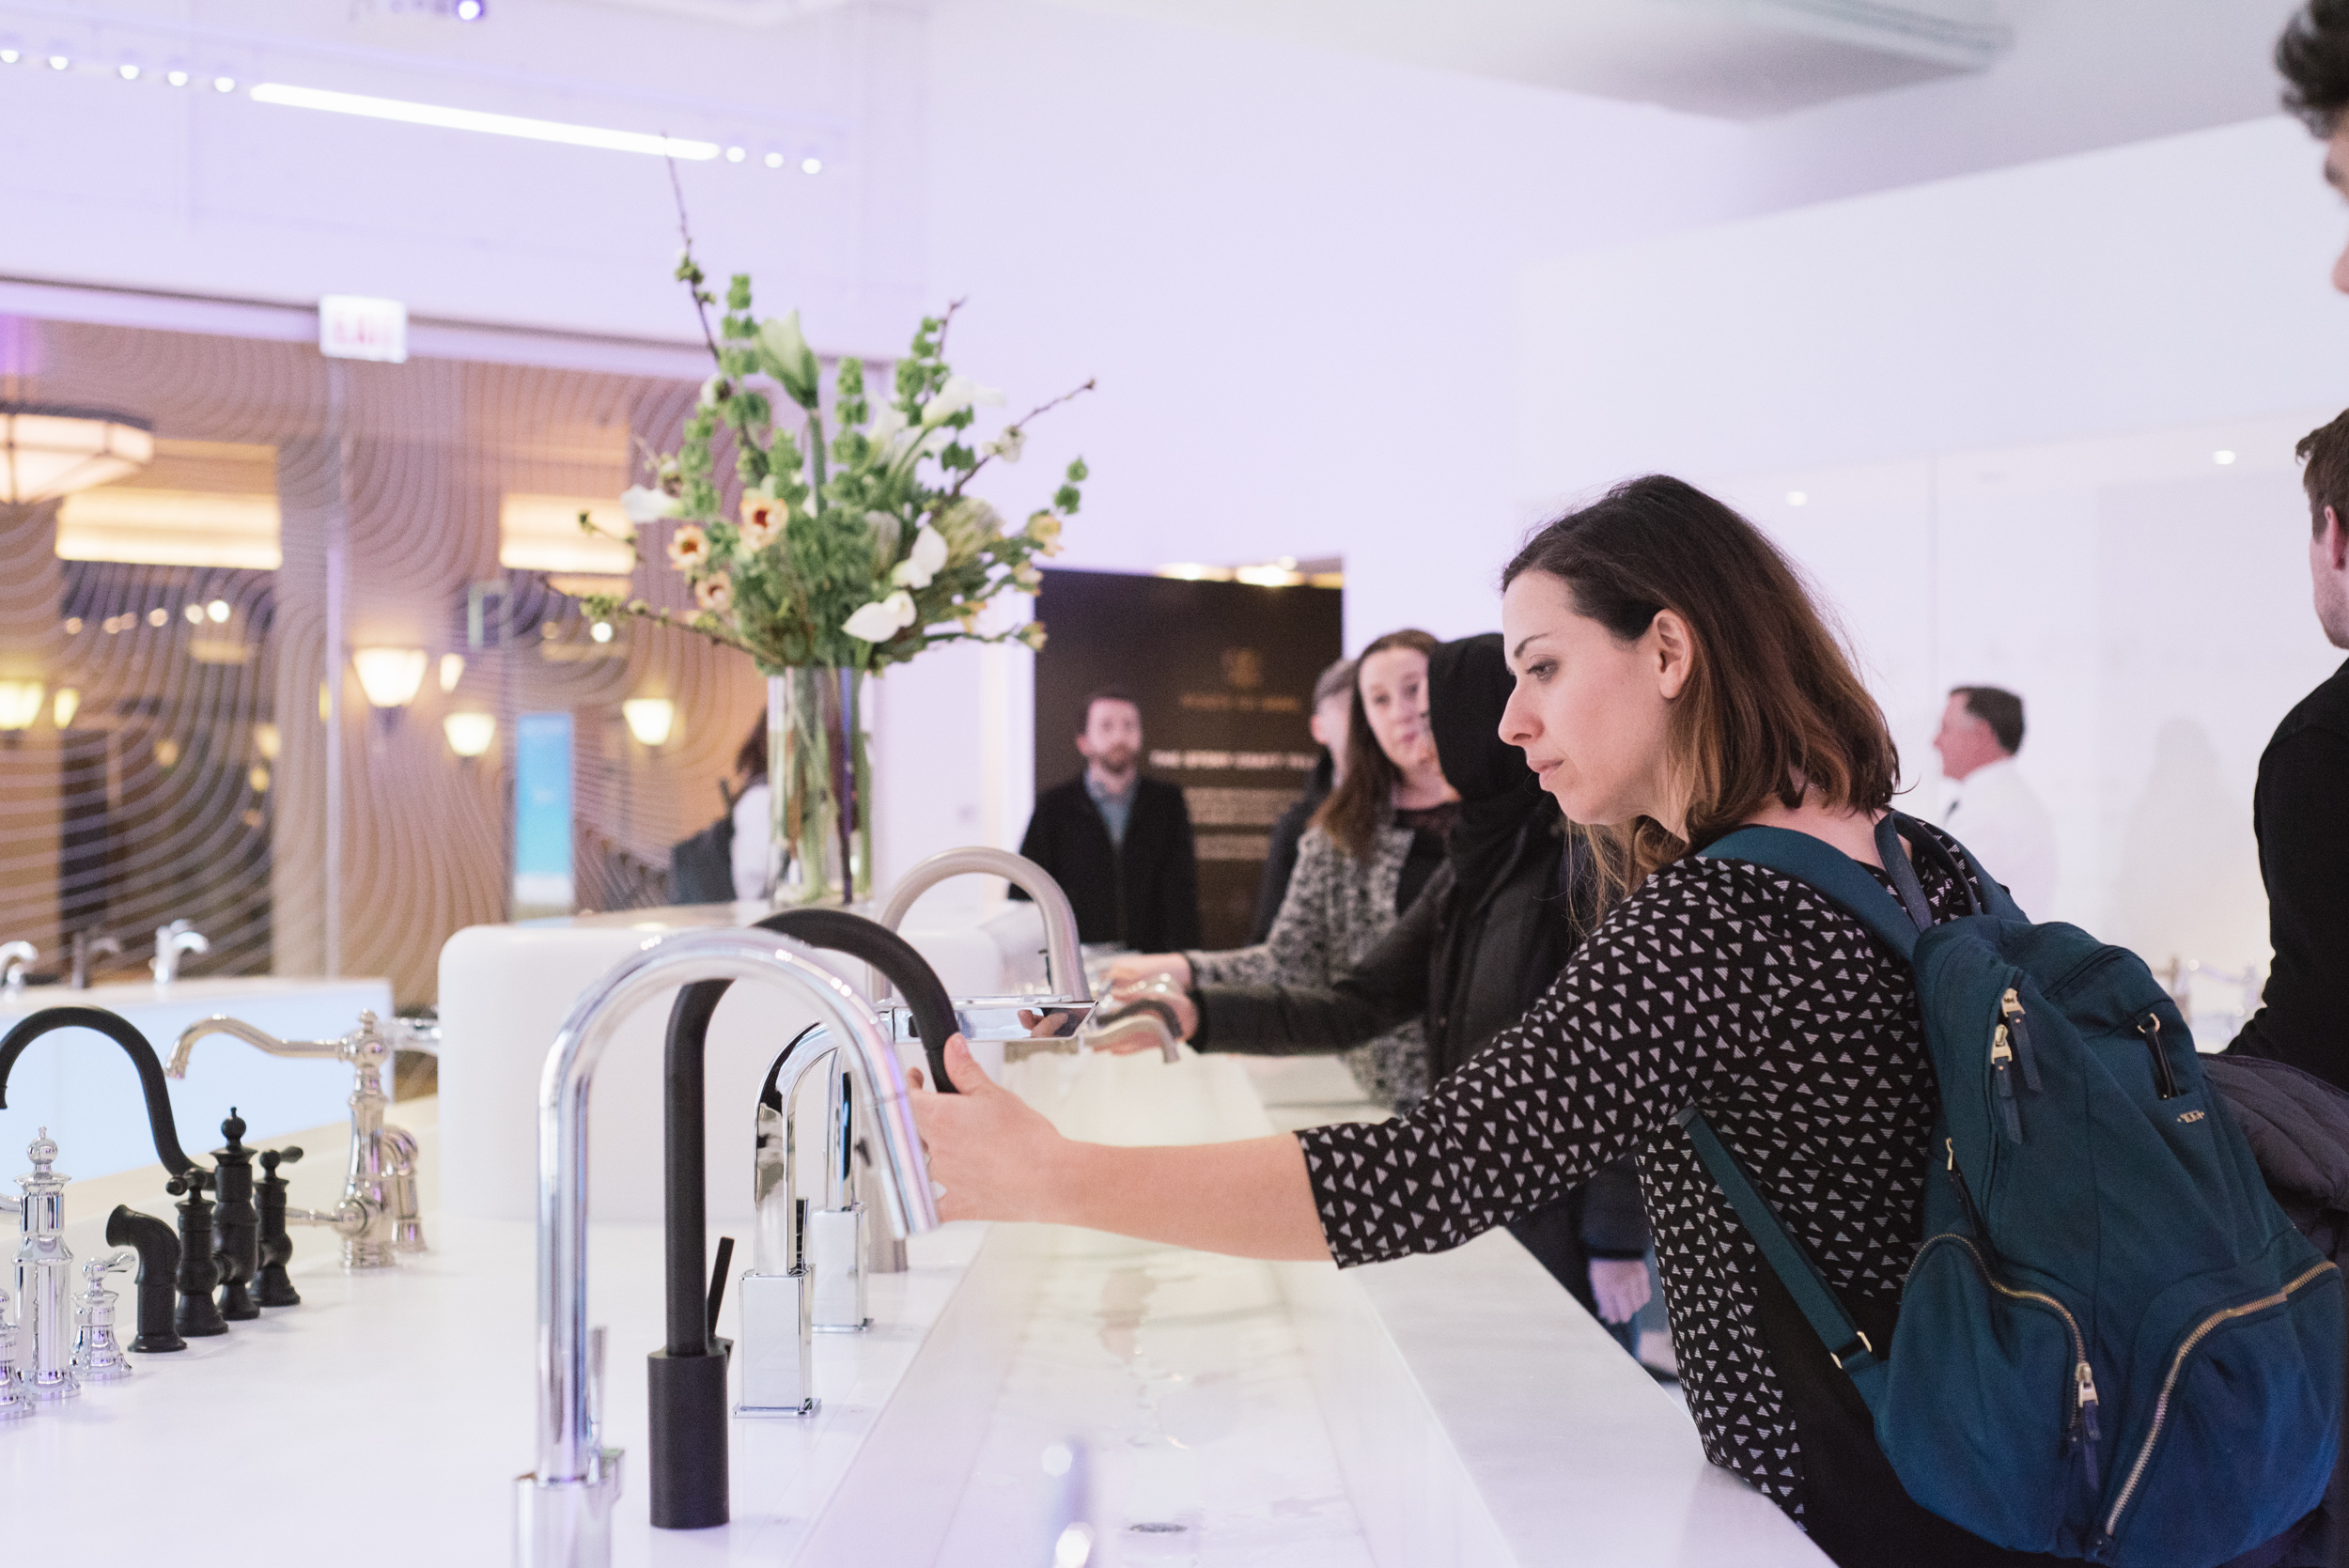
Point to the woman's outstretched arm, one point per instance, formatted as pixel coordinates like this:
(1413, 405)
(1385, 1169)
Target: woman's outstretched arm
(998, 1158)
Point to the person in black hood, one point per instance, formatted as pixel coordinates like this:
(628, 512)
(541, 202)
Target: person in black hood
(1479, 946)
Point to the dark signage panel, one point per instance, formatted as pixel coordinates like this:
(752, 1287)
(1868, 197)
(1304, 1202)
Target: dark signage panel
(1225, 672)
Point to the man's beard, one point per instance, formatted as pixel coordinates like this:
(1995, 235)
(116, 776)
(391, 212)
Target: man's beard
(1116, 759)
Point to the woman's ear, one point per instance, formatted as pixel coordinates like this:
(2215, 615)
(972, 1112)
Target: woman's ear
(1673, 651)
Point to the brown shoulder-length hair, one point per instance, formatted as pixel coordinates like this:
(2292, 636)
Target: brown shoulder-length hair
(1773, 708)
(1359, 806)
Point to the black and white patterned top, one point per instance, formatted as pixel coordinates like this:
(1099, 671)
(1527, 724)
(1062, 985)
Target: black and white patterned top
(1717, 981)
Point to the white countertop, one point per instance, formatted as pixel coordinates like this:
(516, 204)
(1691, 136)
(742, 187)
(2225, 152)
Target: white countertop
(1440, 1410)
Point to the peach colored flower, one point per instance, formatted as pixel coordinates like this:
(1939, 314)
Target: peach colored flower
(762, 521)
(714, 594)
(689, 548)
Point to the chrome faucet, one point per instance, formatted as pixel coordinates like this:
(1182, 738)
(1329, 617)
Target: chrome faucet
(565, 1505)
(18, 957)
(171, 940)
(806, 1268)
(377, 1217)
(1064, 959)
(43, 1265)
(87, 945)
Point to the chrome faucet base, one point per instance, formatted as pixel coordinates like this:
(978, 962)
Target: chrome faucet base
(774, 1349)
(567, 1523)
(835, 1257)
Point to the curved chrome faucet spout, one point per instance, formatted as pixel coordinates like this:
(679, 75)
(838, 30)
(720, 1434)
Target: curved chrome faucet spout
(1064, 961)
(566, 1504)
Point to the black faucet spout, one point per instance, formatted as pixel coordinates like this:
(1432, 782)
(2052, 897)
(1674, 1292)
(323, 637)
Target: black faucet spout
(687, 1378)
(118, 1029)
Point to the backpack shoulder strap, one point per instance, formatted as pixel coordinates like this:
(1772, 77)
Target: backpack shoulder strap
(1832, 872)
(1845, 1344)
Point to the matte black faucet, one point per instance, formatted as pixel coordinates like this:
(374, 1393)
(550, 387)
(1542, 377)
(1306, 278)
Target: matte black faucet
(274, 1288)
(236, 1223)
(687, 1376)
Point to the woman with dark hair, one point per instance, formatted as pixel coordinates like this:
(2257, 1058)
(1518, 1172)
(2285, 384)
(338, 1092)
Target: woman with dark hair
(1675, 681)
(1373, 846)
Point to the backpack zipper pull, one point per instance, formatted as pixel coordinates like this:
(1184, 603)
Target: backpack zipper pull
(2084, 1414)
(2165, 1081)
(2011, 1008)
(2001, 1060)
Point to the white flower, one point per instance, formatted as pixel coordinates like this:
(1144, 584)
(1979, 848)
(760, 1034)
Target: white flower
(646, 505)
(882, 619)
(888, 426)
(784, 350)
(960, 392)
(1007, 445)
(923, 562)
(709, 391)
(939, 440)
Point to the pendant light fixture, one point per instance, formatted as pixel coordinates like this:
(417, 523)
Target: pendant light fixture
(47, 451)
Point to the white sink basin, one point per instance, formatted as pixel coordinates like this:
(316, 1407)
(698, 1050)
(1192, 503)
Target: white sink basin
(81, 1087)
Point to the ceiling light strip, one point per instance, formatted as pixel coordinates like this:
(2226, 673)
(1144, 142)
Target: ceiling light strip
(487, 124)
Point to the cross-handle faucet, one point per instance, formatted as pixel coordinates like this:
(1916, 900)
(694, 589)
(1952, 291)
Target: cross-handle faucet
(171, 940)
(1064, 959)
(377, 1217)
(87, 945)
(17, 958)
(565, 1503)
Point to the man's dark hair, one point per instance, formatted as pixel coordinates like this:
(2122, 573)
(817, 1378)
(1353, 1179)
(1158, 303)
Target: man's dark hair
(2314, 56)
(1105, 694)
(2324, 453)
(2001, 709)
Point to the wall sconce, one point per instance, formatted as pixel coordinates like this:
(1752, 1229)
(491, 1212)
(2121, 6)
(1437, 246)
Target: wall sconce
(64, 705)
(649, 719)
(257, 777)
(20, 705)
(265, 741)
(470, 734)
(390, 676)
(452, 671)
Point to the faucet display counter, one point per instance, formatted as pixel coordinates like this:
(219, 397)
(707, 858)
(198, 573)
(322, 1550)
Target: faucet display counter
(85, 1091)
(1454, 1410)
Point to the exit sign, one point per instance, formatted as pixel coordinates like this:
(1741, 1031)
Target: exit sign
(351, 327)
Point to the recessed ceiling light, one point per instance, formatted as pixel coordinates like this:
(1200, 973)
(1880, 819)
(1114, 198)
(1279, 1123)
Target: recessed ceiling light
(1796, 498)
(58, 62)
(447, 118)
(2222, 457)
(195, 612)
(774, 159)
(811, 166)
(601, 631)
(471, 10)
(735, 155)
(224, 83)
(177, 78)
(127, 71)
(158, 615)
(9, 57)
(218, 610)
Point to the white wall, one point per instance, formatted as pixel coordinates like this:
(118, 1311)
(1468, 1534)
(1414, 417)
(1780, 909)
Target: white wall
(2000, 397)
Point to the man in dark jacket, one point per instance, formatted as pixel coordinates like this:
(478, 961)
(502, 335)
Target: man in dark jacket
(1476, 949)
(1119, 844)
(1333, 702)
(2300, 811)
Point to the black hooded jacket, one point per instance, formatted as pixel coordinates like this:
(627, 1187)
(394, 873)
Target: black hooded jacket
(1477, 949)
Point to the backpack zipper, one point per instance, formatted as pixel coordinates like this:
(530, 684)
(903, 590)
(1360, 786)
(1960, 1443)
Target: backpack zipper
(2165, 1081)
(2169, 1384)
(2011, 1008)
(2082, 1426)
(2001, 1061)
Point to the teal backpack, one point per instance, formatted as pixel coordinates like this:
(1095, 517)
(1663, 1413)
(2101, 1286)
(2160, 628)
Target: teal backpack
(2112, 1344)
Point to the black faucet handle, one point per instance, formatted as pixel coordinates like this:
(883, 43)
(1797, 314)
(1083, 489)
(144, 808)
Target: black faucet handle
(233, 1130)
(189, 1183)
(272, 1158)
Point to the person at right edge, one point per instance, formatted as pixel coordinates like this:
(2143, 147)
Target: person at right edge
(1476, 949)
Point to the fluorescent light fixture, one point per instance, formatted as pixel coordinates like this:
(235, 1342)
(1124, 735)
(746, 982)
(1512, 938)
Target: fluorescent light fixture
(452, 671)
(470, 734)
(48, 450)
(171, 528)
(62, 708)
(649, 719)
(2222, 457)
(390, 676)
(474, 120)
(19, 704)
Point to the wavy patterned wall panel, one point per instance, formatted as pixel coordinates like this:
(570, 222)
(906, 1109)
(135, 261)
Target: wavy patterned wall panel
(194, 779)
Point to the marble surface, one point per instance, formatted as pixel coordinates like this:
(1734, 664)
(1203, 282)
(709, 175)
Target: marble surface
(82, 1086)
(1448, 1410)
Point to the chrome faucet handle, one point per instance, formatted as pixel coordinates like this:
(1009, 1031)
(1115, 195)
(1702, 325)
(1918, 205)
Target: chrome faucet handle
(97, 1351)
(15, 1403)
(18, 957)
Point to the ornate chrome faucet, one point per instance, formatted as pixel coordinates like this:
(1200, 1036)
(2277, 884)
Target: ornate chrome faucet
(565, 1503)
(96, 1350)
(86, 947)
(17, 958)
(171, 940)
(377, 1217)
(44, 1267)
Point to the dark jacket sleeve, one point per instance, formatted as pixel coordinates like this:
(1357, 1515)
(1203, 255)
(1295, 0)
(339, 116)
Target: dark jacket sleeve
(1614, 1219)
(1182, 882)
(1387, 988)
(1036, 845)
(1280, 864)
(2304, 856)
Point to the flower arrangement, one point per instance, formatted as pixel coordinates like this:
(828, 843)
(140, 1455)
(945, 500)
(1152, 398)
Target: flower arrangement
(851, 551)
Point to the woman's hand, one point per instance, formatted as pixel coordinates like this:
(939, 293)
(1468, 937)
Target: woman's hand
(1130, 968)
(992, 1154)
(1166, 995)
(1619, 1285)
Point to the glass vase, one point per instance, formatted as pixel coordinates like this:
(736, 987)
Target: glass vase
(820, 844)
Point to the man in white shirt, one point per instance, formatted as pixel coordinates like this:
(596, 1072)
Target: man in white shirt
(1997, 813)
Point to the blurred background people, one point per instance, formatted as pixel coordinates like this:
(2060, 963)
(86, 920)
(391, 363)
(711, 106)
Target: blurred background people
(1997, 813)
(2314, 56)
(1372, 848)
(2300, 808)
(1118, 844)
(1333, 698)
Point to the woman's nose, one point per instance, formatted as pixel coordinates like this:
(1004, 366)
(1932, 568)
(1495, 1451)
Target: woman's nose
(1516, 718)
